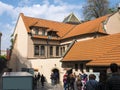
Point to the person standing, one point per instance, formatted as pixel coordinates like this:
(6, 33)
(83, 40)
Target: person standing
(79, 83)
(38, 76)
(72, 80)
(113, 82)
(91, 84)
(42, 80)
(65, 81)
(102, 81)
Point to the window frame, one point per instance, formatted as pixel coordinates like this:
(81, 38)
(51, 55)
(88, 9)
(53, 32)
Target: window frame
(36, 50)
(57, 50)
(42, 50)
(51, 50)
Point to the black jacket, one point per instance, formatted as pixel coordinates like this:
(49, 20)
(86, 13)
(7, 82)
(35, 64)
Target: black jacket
(113, 83)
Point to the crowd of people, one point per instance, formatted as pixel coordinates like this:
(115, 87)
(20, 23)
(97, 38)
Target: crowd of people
(38, 79)
(107, 81)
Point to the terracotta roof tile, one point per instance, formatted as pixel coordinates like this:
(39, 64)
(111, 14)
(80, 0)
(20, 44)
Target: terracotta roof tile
(88, 27)
(56, 26)
(65, 30)
(113, 56)
(104, 49)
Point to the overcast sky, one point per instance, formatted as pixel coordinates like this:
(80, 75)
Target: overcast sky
(55, 10)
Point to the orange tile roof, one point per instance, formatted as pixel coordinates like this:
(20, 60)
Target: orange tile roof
(112, 56)
(65, 30)
(88, 27)
(104, 49)
(56, 26)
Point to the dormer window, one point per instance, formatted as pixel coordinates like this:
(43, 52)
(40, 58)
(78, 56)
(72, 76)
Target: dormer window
(52, 34)
(43, 32)
(36, 32)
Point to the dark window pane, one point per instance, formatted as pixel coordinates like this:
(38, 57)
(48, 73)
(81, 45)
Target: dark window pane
(57, 51)
(51, 51)
(36, 49)
(42, 51)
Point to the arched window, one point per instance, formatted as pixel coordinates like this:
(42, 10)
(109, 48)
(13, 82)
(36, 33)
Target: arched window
(42, 51)
(51, 50)
(57, 51)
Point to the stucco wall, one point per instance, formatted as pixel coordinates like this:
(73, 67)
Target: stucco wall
(45, 67)
(20, 50)
(112, 26)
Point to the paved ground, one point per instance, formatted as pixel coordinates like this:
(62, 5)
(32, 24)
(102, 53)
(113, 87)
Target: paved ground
(48, 86)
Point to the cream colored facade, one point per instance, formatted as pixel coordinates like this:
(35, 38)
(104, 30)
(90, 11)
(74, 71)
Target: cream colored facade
(23, 53)
(112, 25)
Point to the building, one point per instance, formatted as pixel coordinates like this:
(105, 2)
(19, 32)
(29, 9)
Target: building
(50, 46)
(3, 52)
(0, 42)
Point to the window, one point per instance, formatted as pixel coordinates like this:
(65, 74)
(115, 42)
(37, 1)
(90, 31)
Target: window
(57, 51)
(42, 51)
(43, 32)
(51, 50)
(52, 33)
(76, 67)
(63, 49)
(36, 49)
(36, 32)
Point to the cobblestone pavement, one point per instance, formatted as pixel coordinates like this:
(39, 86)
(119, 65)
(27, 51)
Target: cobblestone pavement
(48, 86)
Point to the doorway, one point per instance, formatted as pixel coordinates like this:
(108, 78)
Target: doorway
(56, 75)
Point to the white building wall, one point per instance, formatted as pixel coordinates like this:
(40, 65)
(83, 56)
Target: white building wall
(45, 67)
(112, 26)
(20, 46)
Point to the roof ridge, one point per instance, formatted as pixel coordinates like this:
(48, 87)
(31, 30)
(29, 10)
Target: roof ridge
(69, 31)
(47, 20)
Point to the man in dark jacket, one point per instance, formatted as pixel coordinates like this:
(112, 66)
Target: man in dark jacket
(113, 82)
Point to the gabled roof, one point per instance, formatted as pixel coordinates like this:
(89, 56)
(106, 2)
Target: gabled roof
(65, 30)
(71, 19)
(62, 28)
(100, 50)
(92, 26)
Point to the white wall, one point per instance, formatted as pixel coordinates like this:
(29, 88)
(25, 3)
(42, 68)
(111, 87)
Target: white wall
(45, 67)
(20, 46)
(112, 26)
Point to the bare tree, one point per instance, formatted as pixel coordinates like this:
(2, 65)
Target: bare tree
(95, 9)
